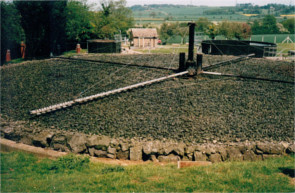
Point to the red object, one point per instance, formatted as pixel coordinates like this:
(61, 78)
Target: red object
(78, 49)
(8, 58)
(159, 41)
(23, 49)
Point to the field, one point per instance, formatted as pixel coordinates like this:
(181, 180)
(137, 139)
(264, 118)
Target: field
(195, 110)
(182, 14)
(272, 38)
(26, 173)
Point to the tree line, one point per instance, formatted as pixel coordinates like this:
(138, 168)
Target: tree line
(228, 29)
(49, 26)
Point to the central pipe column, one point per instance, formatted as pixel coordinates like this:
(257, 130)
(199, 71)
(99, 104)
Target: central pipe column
(191, 41)
(190, 63)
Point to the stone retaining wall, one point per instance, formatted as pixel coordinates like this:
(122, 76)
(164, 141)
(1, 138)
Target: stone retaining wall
(143, 149)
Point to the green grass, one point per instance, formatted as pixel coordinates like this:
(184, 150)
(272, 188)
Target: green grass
(15, 61)
(164, 49)
(284, 48)
(73, 53)
(25, 173)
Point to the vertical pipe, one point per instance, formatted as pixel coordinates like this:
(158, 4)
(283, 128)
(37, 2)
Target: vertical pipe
(191, 41)
(181, 62)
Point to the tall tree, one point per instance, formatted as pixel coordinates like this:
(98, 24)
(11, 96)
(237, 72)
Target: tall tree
(202, 24)
(43, 23)
(182, 30)
(167, 31)
(212, 31)
(232, 30)
(289, 25)
(78, 26)
(269, 25)
(11, 31)
(113, 18)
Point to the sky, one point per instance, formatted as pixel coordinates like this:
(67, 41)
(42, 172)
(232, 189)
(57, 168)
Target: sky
(203, 2)
(208, 2)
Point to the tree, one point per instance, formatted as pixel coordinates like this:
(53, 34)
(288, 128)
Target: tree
(43, 23)
(246, 30)
(236, 30)
(182, 30)
(212, 31)
(269, 25)
(202, 24)
(11, 31)
(289, 25)
(256, 27)
(167, 31)
(78, 25)
(225, 28)
(113, 18)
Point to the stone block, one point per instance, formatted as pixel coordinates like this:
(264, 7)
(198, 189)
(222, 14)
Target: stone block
(124, 155)
(270, 148)
(200, 156)
(152, 147)
(234, 154)
(112, 150)
(43, 139)
(249, 155)
(100, 153)
(99, 142)
(214, 158)
(77, 143)
(136, 153)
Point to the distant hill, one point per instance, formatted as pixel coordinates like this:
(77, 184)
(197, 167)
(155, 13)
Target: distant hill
(157, 13)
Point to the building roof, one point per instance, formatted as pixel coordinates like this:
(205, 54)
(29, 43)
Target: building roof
(144, 32)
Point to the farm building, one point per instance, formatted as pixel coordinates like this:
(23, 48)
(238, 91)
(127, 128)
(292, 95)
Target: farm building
(143, 37)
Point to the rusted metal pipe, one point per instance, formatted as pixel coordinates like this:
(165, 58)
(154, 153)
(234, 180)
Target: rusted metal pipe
(191, 41)
(101, 95)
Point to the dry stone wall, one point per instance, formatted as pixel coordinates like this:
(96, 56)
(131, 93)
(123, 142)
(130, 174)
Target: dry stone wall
(140, 149)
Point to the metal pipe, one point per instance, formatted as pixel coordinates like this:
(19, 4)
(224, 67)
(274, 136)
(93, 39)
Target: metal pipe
(191, 41)
(101, 95)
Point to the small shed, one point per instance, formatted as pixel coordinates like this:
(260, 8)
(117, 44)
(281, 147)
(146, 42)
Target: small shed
(143, 37)
(103, 46)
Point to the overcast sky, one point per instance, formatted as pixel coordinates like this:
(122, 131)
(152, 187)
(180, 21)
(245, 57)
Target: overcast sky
(207, 2)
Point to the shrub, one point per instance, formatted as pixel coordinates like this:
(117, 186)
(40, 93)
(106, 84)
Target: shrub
(69, 162)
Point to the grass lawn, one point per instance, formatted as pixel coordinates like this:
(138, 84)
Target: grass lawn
(26, 173)
(284, 48)
(164, 49)
(73, 53)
